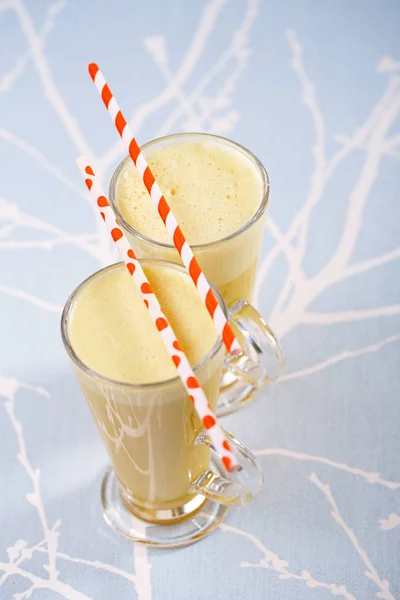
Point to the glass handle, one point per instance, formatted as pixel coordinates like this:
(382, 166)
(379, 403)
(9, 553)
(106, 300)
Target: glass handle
(236, 488)
(262, 359)
(260, 362)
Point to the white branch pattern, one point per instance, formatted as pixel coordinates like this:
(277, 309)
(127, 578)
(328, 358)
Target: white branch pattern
(333, 360)
(298, 292)
(371, 573)
(369, 476)
(272, 562)
(391, 522)
(30, 298)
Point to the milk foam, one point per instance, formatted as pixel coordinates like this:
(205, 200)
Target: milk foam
(111, 330)
(213, 190)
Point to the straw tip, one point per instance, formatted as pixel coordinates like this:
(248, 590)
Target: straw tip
(93, 68)
(84, 166)
(81, 162)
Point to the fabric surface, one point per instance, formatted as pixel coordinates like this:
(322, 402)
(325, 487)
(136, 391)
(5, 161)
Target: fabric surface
(312, 88)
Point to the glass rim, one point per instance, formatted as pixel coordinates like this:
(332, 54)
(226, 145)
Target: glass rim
(108, 380)
(259, 212)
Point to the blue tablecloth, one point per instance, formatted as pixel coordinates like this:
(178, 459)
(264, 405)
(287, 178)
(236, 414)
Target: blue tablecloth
(313, 88)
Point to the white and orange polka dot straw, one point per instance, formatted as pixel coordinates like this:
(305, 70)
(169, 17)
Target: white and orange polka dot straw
(180, 242)
(185, 371)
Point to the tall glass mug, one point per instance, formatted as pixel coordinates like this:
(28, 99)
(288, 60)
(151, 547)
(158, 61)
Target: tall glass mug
(166, 487)
(229, 263)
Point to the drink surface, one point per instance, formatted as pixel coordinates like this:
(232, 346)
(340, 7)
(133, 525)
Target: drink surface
(212, 189)
(112, 332)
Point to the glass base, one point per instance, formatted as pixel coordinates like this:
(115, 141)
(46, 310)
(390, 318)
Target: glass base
(168, 528)
(233, 394)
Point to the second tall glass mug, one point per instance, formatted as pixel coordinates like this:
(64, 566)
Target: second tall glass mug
(229, 264)
(166, 488)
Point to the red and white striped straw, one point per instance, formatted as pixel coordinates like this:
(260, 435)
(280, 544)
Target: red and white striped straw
(185, 371)
(180, 242)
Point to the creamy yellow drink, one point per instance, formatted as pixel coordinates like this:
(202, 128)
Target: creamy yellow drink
(214, 188)
(149, 427)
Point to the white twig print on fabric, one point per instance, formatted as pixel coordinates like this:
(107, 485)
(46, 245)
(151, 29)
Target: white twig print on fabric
(371, 573)
(333, 360)
(391, 522)
(298, 292)
(52, 11)
(272, 562)
(8, 390)
(368, 476)
(20, 552)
